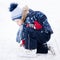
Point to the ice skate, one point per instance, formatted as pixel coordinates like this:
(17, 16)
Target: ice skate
(51, 50)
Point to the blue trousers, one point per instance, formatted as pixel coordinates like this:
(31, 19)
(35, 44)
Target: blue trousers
(42, 45)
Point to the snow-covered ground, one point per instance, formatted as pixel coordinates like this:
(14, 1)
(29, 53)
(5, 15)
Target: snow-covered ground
(9, 48)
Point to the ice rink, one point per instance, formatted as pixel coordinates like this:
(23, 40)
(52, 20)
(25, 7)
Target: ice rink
(9, 48)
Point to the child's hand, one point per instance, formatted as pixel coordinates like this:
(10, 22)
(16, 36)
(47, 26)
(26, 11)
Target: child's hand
(22, 43)
(36, 25)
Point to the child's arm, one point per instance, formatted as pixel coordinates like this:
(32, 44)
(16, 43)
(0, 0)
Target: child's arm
(22, 43)
(36, 25)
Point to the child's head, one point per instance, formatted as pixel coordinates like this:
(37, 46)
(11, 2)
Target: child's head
(16, 13)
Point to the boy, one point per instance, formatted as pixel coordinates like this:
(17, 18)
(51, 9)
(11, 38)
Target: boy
(36, 31)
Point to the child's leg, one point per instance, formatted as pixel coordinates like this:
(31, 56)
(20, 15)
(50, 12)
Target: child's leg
(42, 48)
(41, 43)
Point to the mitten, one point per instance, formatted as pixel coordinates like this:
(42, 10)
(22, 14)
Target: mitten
(22, 43)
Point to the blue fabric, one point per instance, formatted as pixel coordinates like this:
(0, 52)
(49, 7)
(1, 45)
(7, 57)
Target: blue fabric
(44, 21)
(12, 6)
(19, 34)
(31, 35)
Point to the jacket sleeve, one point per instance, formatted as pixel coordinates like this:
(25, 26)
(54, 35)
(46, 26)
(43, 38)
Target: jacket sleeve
(19, 34)
(25, 33)
(44, 21)
(19, 37)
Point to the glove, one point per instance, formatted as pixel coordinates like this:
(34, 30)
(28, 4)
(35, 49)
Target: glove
(37, 25)
(22, 43)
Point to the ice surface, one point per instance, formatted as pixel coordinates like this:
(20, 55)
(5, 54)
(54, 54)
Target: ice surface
(9, 48)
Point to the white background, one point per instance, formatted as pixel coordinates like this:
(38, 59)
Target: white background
(9, 48)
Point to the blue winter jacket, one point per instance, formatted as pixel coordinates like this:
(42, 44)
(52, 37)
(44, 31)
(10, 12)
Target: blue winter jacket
(31, 35)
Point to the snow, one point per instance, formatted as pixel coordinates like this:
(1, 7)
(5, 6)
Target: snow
(9, 48)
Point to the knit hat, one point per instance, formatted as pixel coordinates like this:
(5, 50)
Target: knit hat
(16, 11)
